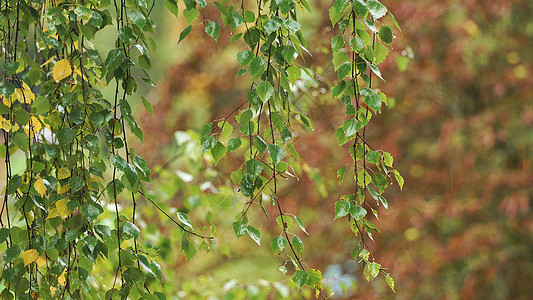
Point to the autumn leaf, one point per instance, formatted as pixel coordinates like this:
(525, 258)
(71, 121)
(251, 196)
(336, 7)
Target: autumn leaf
(39, 187)
(61, 70)
(61, 279)
(30, 256)
(62, 208)
(63, 173)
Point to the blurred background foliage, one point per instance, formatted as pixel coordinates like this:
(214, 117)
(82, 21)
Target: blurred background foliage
(461, 131)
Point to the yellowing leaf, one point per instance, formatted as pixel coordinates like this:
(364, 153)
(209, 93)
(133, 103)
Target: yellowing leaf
(62, 208)
(100, 81)
(52, 213)
(39, 187)
(61, 279)
(23, 95)
(52, 290)
(61, 70)
(30, 256)
(5, 101)
(63, 173)
(92, 184)
(48, 61)
(63, 188)
(41, 261)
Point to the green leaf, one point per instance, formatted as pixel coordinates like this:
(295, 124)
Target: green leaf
(278, 244)
(236, 19)
(138, 18)
(91, 211)
(378, 197)
(300, 277)
(245, 57)
(187, 247)
(66, 136)
(218, 152)
(253, 168)
(76, 183)
(247, 186)
(344, 70)
(213, 30)
(11, 253)
(125, 34)
(380, 53)
(14, 184)
(357, 211)
(207, 143)
(351, 127)
(7, 89)
(390, 282)
(184, 219)
(256, 66)
(372, 157)
(276, 153)
(399, 178)
(340, 173)
(254, 234)
(286, 134)
(202, 3)
(272, 25)
(337, 42)
(4, 233)
(357, 44)
(380, 180)
(191, 15)
(375, 70)
(249, 16)
(374, 269)
(292, 25)
(376, 9)
(234, 144)
(260, 144)
(293, 152)
(172, 6)
(184, 33)
(132, 177)
(131, 229)
(10, 67)
(385, 34)
(315, 278)
(240, 228)
(301, 224)
(288, 221)
(265, 91)
(114, 58)
(342, 207)
(374, 101)
(294, 73)
(298, 244)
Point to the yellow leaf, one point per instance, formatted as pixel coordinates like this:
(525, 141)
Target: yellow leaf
(92, 184)
(52, 213)
(61, 70)
(62, 208)
(61, 279)
(30, 256)
(52, 290)
(23, 95)
(63, 188)
(100, 81)
(39, 187)
(41, 261)
(48, 61)
(63, 173)
(6, 102)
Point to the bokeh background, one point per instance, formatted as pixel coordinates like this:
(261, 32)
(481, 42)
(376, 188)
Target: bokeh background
(459, 124)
